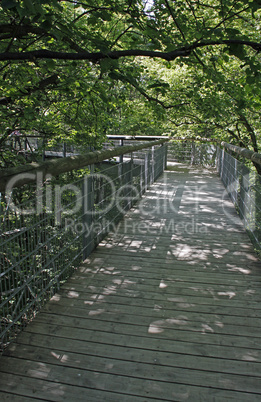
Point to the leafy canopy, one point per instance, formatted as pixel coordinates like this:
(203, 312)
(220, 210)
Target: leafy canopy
(78, 70)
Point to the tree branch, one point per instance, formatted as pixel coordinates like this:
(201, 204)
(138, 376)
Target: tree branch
(93, 56)
(20, 31)
(184, 51)
(250, 131)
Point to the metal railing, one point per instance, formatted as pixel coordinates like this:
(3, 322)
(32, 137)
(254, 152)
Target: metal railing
(192, 152)
(243, 185)
(49, 228)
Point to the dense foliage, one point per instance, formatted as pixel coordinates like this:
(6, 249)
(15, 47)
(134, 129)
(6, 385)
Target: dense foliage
(78, 70)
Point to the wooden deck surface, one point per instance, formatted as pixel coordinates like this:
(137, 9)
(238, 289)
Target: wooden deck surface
(166, 309)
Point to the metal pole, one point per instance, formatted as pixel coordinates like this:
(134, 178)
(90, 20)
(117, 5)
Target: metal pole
(87, 217)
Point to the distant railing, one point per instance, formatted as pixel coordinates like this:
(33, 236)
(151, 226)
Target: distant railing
(192, 152)
(243, 185)
(48, 228)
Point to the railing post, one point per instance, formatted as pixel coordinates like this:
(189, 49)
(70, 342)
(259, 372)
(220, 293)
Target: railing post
(146, 170)
(142, 178)
(131, 182)
(149, 168)
(152, 178)
(87, 217)
(120, 174)
(64, 149)
(43, 150)
(121, 157)
(218, 158)
(193, 153)
(243, 194)
(165, 157)
(127, 184)
(221, 164)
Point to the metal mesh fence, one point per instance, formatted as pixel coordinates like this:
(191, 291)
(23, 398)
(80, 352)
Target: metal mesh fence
(244, 188)
(49, 228)
(192, 152)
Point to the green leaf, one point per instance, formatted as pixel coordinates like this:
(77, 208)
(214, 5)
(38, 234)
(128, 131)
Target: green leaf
(238, 51)
(108, 65)
(114, 76)
(105, 16)
(233, 32)
(198, 35)
(159, 84)
(29, 5)
(47, 23)
(50, 64)
(250, 80)
(255, 5)
(6, 4)
(219, 32)
(226, 58)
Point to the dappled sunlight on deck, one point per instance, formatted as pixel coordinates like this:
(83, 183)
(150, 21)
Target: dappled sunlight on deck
(167, 308)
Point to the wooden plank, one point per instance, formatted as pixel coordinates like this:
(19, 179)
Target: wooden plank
(245, 291)
(115, 376)
(137, 263)
(194, 255)
(193, 239)
(170, 276)
(196, 290)
(17, 398)
(176, 246)
(175, 305)
(45, 348)
(177, 320)
(233, 273)
(162, 353)
(115, 332)
(64, 392)
(96, 256)
(27, 388)
(193, 322)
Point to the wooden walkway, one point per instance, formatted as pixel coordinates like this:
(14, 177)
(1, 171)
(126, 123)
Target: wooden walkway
(166, 309)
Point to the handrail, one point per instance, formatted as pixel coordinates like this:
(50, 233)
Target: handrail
(155, 137)
(137, 137)
(56, 167)
(246, 153)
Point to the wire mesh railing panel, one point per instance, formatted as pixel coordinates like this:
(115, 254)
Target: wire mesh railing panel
(192, 153)
(35, 253)
(47, 229)
(244, 189)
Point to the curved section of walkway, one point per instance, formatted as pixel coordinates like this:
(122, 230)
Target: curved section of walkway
(166, 309)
